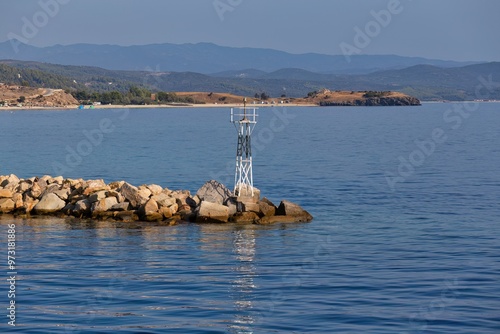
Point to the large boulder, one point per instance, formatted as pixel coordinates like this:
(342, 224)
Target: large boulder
(293, 211)
(49, 203)
(144, 191)
(266, 208)
(212, 213)
(164, 200)
(10, 182)
(35, 190)
(214, 192)
(247, 194)
(5, 193)
(149, 208)
(154, 188)
(92, 186)
(150, 211)
(17, 198)
(7, 205)
(131, 193)
(104, 205)
(166, 212)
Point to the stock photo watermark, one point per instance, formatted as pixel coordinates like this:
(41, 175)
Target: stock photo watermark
(454, 118)
(32, 25)
(224, 6)
(92, 139)
(11, 274)
(372, 29)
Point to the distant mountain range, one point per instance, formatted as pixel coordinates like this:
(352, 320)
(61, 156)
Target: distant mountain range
(208, 58)
(425, 82)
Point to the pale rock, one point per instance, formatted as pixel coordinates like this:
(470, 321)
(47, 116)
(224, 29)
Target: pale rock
(46, 178)
(49, 203)
(51, 188)
(167, 191)
(209, 212)
(92, 186)
(155, 189)
(17, 198)
(58, 179)
(63, 193)
(149, 208)
(166, 212)
(174, 207)
(245, 195)
(35, 190)
(164, 200)
(5, 193)
(131, 193)
(214, 192)
(266, 208)
(113, 193)
(7, 205)
(144, 192)
(104, 204)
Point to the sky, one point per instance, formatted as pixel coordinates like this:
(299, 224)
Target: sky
(463, 30)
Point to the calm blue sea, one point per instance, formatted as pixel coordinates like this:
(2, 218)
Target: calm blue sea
(406, 235)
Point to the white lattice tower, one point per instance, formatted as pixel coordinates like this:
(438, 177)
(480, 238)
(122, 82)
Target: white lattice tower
(243, 177)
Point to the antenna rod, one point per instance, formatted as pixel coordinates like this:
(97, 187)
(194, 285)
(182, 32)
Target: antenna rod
(245, 107)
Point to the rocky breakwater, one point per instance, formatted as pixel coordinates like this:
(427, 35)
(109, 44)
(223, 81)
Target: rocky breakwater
(121, 201)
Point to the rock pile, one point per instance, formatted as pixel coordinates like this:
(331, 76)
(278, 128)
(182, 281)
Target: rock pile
(213, 202)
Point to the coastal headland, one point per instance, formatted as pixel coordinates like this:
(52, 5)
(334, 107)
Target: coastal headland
(121, 201)
(21, 97)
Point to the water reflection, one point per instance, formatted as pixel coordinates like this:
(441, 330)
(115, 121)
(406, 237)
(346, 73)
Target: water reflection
(243, 286)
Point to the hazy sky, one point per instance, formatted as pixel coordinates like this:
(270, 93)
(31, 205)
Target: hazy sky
(443, 29)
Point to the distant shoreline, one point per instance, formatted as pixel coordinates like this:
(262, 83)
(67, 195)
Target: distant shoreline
(229, 105)
(156, 106)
